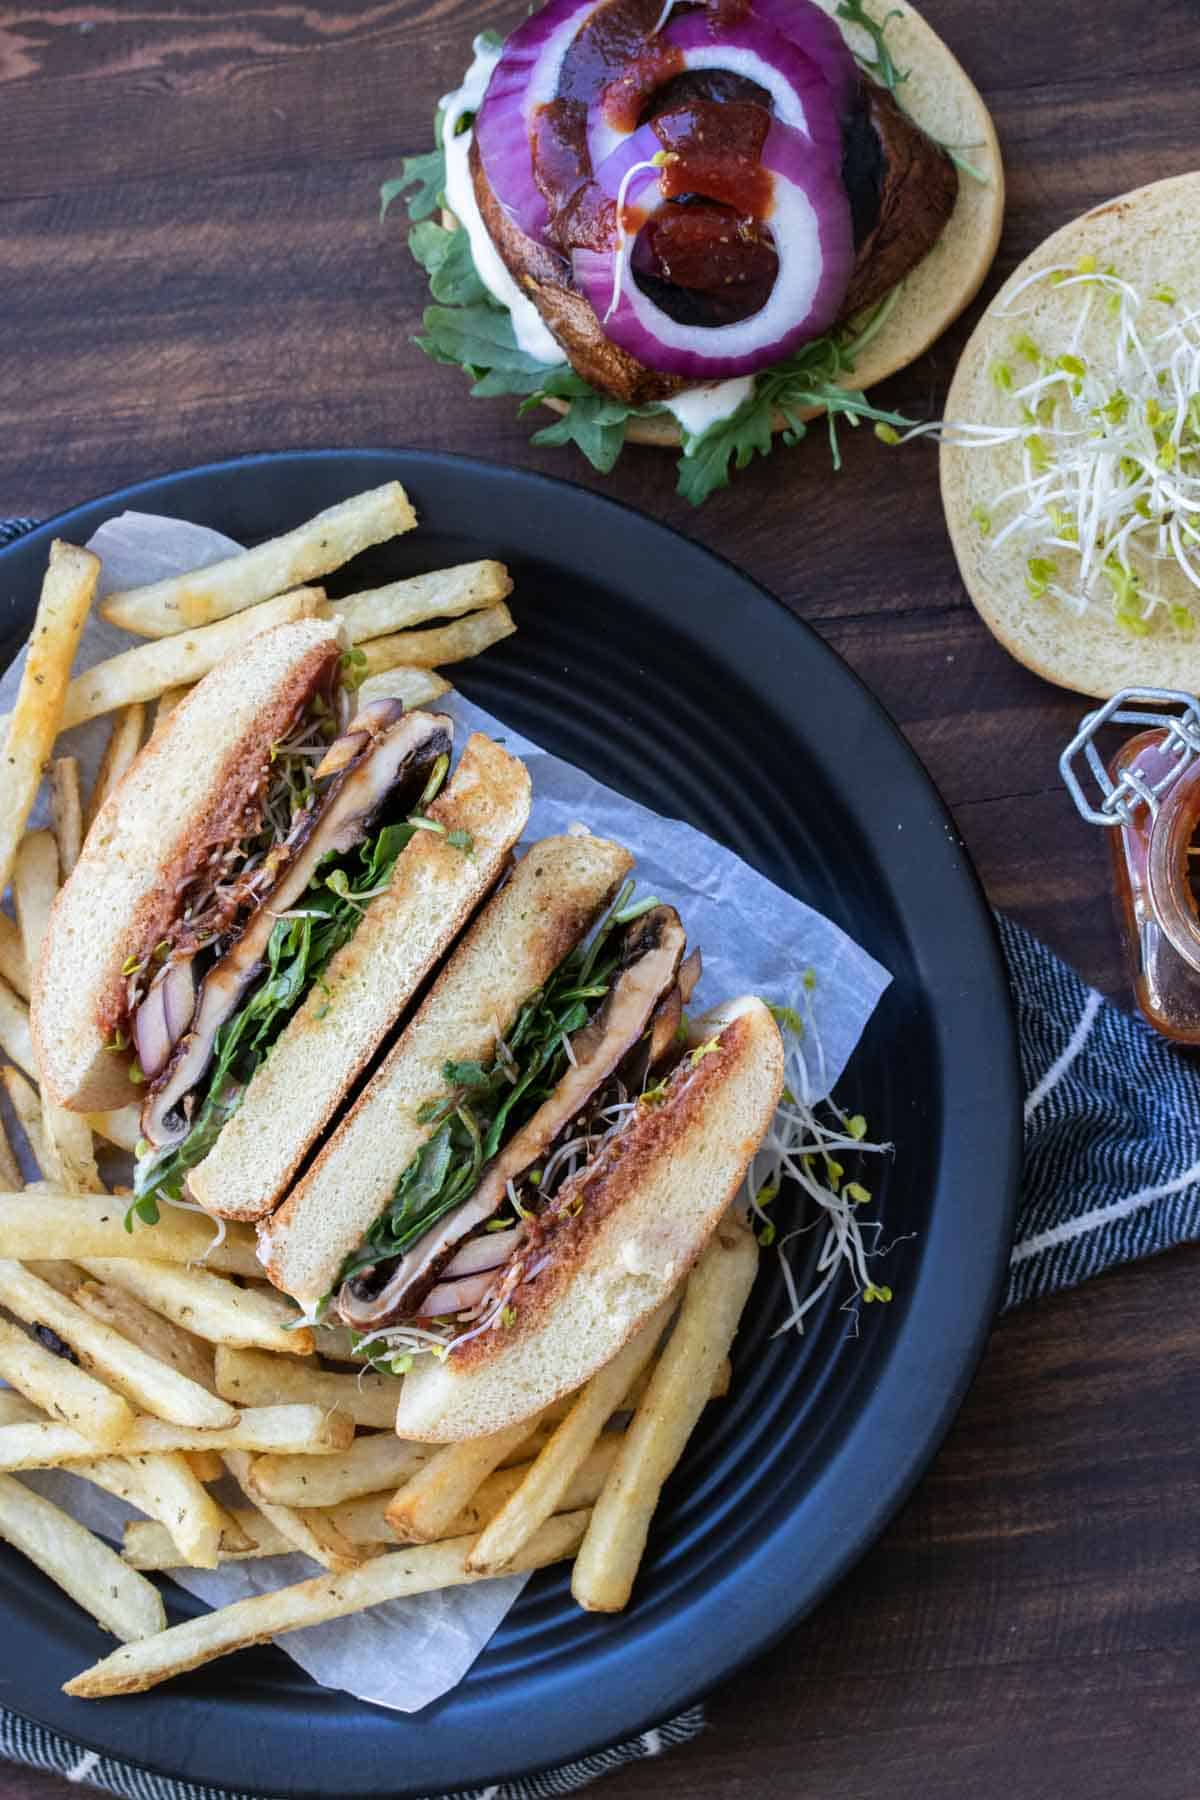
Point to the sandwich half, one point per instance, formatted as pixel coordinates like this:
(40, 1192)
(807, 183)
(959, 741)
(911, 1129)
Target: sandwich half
(225, 878)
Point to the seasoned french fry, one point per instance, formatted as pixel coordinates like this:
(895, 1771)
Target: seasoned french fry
(14, 970)
(192, 1356)
(257, 1378)
(540, 1494)
(165, 1488)
(206, 1465)
(150, 1546)
(23, 1098)
(69, 1157)
(10, 1172)
(120, 1599)
(212, 1307)
(63, 1277)
(292, 1430)
(39, 713)
(312, 1532)
(432, 1498)
(15, 1040)
(95, 1416)
(313, 549)
(15, 1409)
(34, 883)
(146, 671)
(122, 1128)
(124, 742)
(442, 594)
(66, 811)
(153, 1386)
(416, 687)
(93, 1225)
(264, 1616)
(369, 1464)
(717, 1290)
(465, 637)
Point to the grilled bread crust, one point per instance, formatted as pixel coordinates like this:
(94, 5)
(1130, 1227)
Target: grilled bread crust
(182, 794)
(553, 897)
(651, 1199)
(434, 889)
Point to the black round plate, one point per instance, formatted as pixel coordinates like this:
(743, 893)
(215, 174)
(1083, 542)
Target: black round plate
(667, 673)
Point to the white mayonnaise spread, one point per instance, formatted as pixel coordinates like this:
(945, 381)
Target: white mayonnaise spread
(696, 408)
(528, 329)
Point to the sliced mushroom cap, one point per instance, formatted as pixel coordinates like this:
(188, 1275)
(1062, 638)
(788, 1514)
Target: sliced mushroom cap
(653, 947)
(402, 755)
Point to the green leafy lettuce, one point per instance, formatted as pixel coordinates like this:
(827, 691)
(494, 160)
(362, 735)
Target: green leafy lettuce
(299, 949)
(485, 1104)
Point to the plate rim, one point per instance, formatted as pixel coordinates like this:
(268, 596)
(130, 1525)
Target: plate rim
(889, 1497)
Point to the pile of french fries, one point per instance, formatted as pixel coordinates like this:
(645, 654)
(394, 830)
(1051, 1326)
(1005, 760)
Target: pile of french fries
(157, 1363)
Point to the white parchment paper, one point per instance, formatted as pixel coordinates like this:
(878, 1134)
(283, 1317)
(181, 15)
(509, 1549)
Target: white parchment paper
(754, 938)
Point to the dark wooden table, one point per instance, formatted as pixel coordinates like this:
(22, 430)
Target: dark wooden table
(192, 268)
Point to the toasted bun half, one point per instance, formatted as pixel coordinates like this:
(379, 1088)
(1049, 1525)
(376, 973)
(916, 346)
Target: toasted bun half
(943, 100)
(327, 1044)
(180, 794)
(1152, 238)
(649, 1207)
(555, 894)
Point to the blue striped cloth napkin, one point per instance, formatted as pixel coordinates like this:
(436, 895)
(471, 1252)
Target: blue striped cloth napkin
(1111, 1172)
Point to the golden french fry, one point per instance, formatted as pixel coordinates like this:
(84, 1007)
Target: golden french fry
(122, 1128)
(146, 671)
(206, 1465)
(124, 742)
(66, 811)
(312, 1532)
(153, 1386)
(23, 1098)
(69, 1157)
(63, 1277)
(257, 1378)
(369, 1464)
(216, 1309)
(168, 700)
(15, 1040)
(540, 1494)
(718, 1390)
(120, 1599)
(416, 687)
(313, 549)
(441, 594)
(164, 1488)
(14, 970)
(433, 1498)
(264, 1616)
(150, 1546)
(39, 713)
(10, 1172)
(15, 1409)
(93, 1225)
(92, 1413)
(465, 637)
(192, 1356)
(294, 1430)
(716, 1292)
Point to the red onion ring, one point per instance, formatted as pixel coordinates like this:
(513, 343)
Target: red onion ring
(525, 78)
(809, 219)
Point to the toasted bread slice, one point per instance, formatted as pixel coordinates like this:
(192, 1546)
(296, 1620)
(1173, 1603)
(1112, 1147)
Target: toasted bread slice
(434, 889)
(555, 894)
(650, 1204)
(177, 799)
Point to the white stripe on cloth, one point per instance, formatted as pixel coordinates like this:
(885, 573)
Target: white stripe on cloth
(652, 1743)
(1061, 1064)
(82, 1769)
(1102, 1215)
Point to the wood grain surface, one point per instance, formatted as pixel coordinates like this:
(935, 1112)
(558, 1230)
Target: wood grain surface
(193, 268)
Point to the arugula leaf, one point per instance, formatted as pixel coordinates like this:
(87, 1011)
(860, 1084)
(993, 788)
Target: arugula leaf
(445, 257)
(427, 174)
(596, 424)
(479, 337)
